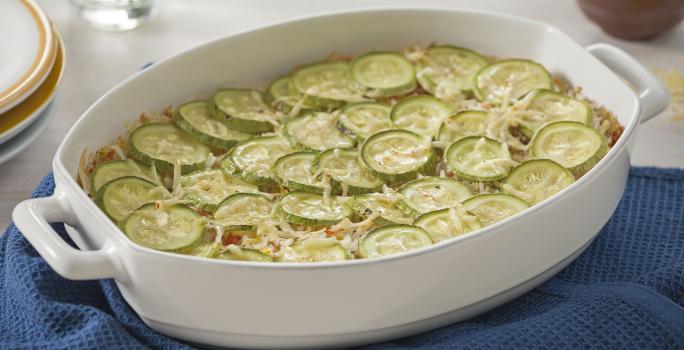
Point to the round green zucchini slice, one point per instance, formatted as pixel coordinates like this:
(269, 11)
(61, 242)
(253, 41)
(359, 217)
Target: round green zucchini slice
(492, 208)
(420, 114)
(253, 159)
(165, 145)
(448, 223)
(243, 211)
(295, 172)
(203, 249)
(446, 68)
(328, 84)
(393, 239)
(205, 189)
(429, 194)
(105, 172)
(244, 110)
(283, 96)
(314, 250)
(120, 197)
(244, 254)
(478, 158)
(197, 120)
(545, 106)
(363, 119)
(311, 209)
(317, 131)
(384, 73)
(397, 155)
(369, 204)
(463, 124)
(512, 79)
(575, 146)
(348, 174)
(164, 228)
(538, 179)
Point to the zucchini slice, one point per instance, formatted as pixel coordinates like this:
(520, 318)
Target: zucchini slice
(317, 131)
(209, 249)
(311, 209)
(120, 197)
(196, 119)
(463, 124)
(253, 159)
(447, 68)
(295, 172)
(394, 239)
(243, 211)
(368, 204)
(244, 254)
(545, 106)
(510, 79)
(478, 158)
(207, 188)
(429, 194)
(165, 145)
(492, 208)
(314, 250)
(538, 179)
(348, 174)
(384, 73)
(363, 119)
(166, 228)
(105, 172)
(397, 155)
(328, 84)
(244, 110)
(283, 96)
(575, 146)
(420, 114)
(448, 223)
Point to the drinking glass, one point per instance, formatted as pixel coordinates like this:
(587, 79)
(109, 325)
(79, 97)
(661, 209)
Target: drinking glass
(115, 15)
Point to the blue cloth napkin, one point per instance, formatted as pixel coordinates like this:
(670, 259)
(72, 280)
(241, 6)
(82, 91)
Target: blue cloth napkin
(625, 292)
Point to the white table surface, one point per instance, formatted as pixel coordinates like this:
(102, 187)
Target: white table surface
(96, 61)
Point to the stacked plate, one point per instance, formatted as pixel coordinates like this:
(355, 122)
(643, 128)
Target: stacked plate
(31, 66)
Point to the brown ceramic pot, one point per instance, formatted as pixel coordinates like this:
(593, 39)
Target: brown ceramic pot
(634, 19)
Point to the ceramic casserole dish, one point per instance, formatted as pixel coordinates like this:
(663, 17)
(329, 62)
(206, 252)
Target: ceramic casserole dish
(353, 302)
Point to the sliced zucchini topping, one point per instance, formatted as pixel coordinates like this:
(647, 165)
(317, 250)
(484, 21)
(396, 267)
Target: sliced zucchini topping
(120, 197)
(253, 159)
(208, 249)
(329, 84)
(106, 172)
(244, 110)
(463, 124)
(478, 158)
(379, 205)
(243, 211)
(447, 68)
(509, 80)
(164, 228)
(317, 131)
(535, 180)
(295, 172)
(447, 223)
(282, 95)
(544, 106)
(206, 189)
(576, 146)
(363, 119)
(492, 208)
(165, 146)
(394, 239)
(311, 209)
(397, 155)
(431, 193)
(243, 254)
(347, 172)
(420, 114)
(197, 120)
(314, 250)
(384, 73)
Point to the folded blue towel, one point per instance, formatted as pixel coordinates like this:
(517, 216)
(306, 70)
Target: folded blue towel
(625, 292)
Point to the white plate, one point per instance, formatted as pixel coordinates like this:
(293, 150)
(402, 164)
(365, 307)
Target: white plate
(18, 143)
(27, 52)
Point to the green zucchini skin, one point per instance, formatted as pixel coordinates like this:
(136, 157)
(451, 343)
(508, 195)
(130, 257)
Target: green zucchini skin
(168, 131)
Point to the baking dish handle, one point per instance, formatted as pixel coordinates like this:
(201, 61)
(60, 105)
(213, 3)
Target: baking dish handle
(32, 217)
(652, 94)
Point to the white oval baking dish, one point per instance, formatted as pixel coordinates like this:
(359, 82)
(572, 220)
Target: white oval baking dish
(335, 304)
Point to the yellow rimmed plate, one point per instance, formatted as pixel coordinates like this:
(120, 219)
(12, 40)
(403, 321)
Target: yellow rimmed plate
(22, 115)
(29, 50)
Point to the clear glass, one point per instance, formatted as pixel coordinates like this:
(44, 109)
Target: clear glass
(115, 15)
